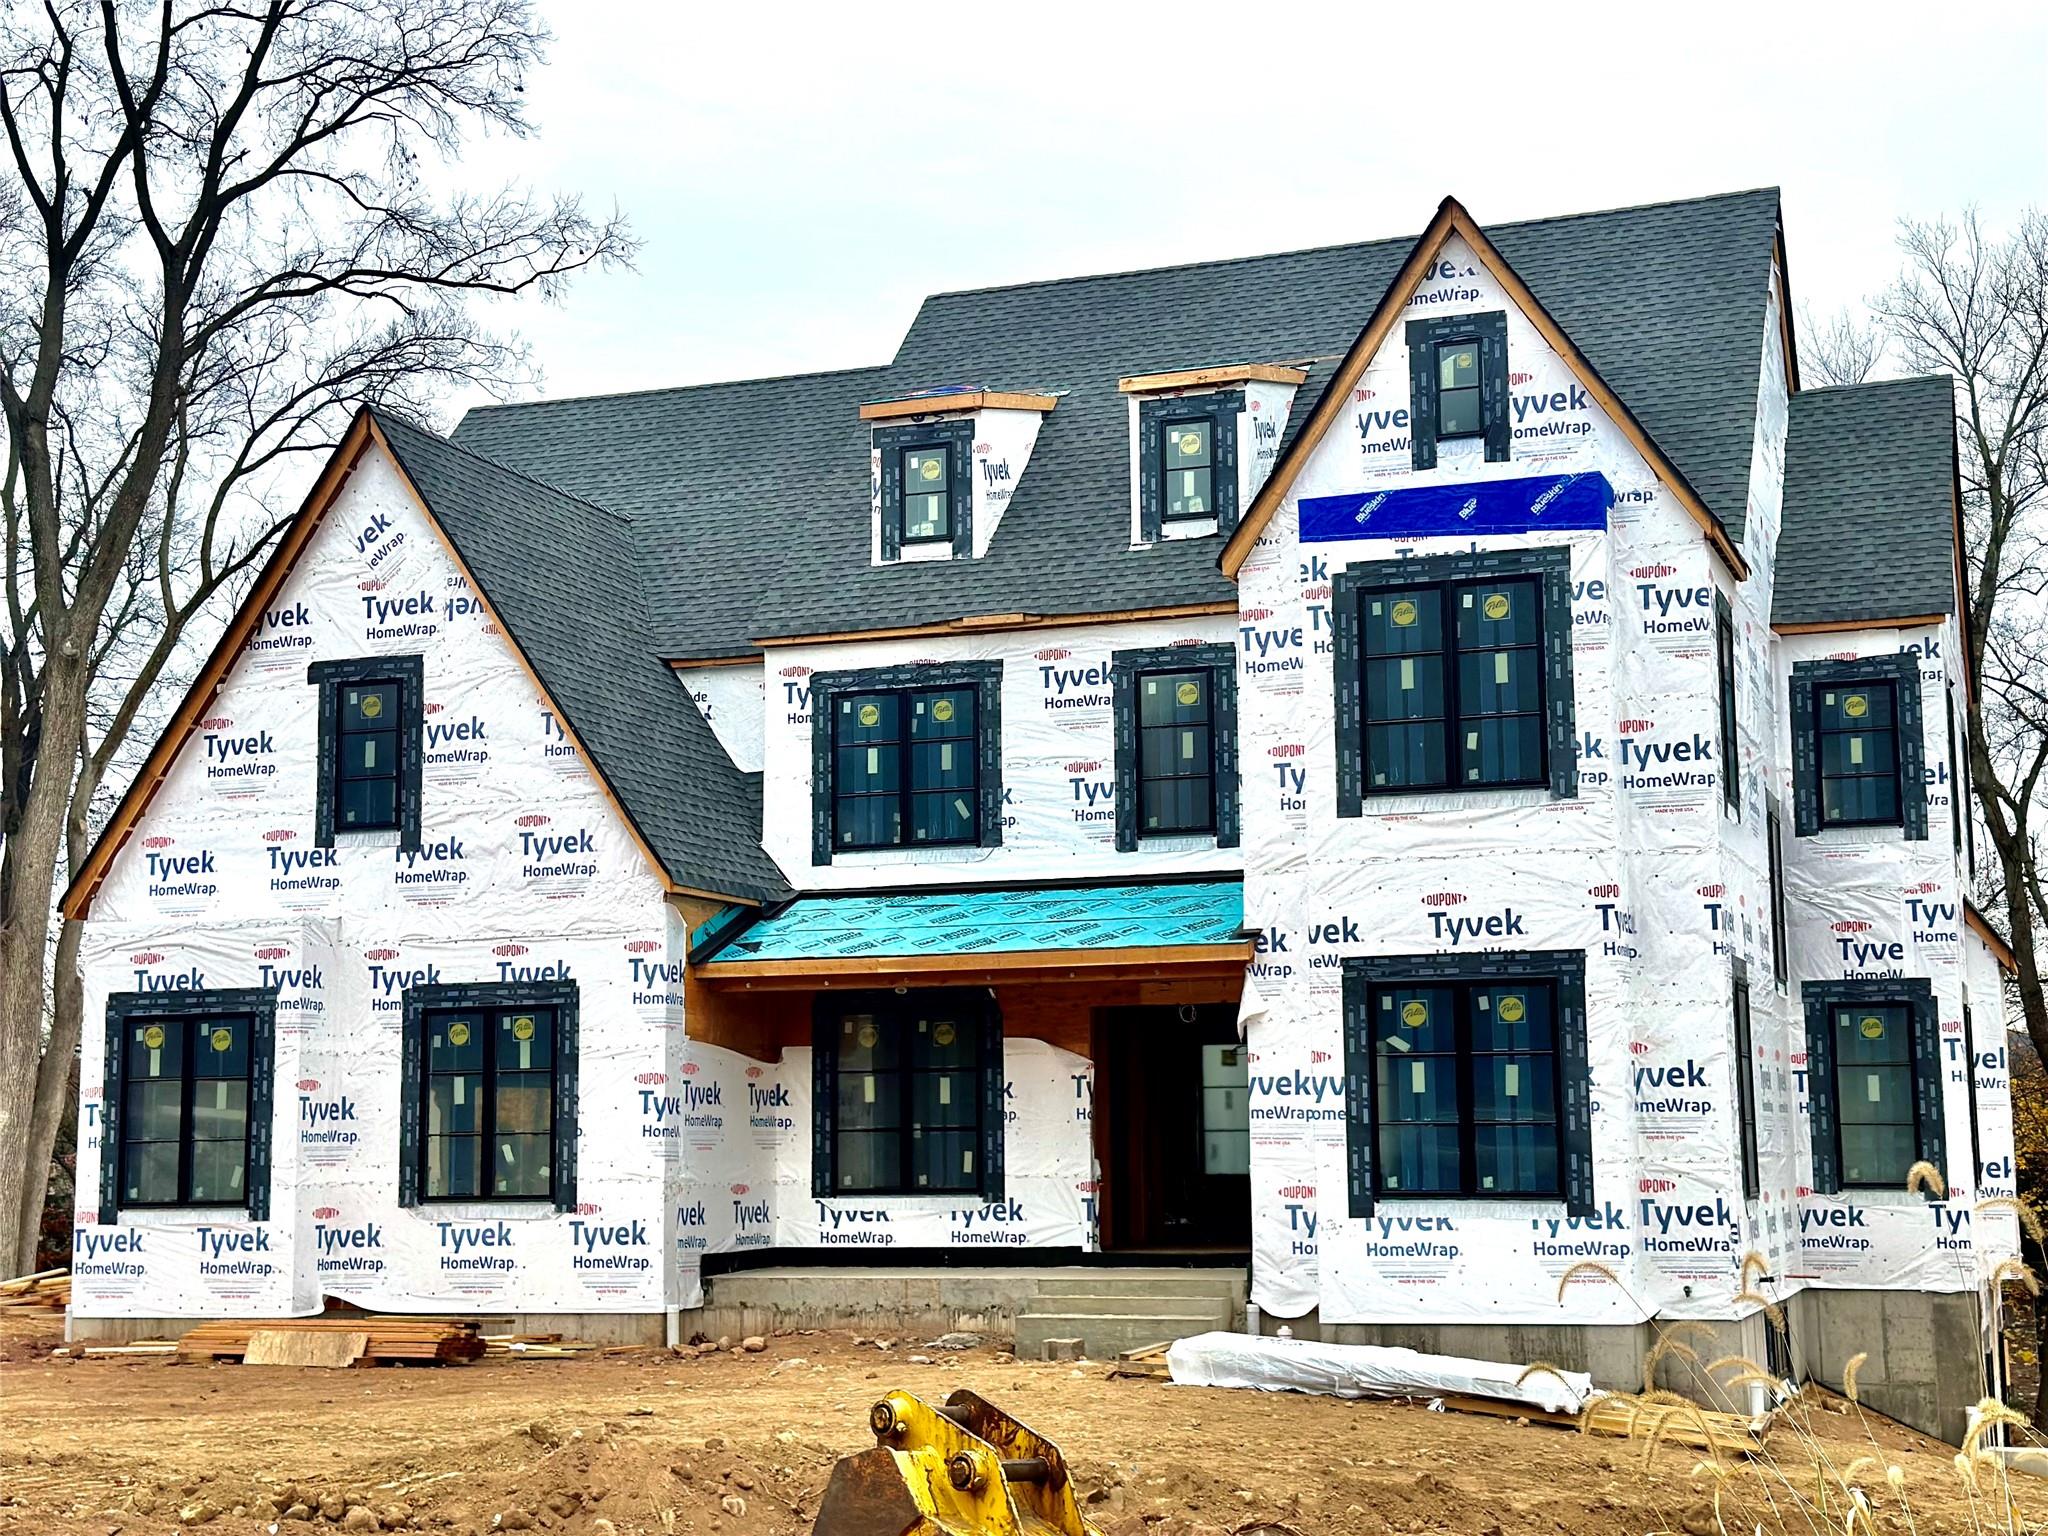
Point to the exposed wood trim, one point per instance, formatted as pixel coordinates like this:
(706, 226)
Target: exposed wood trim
(948, 405)
(661, 871)
(1785, 328)
(1452, 219)
(1994, 941)
(702, 663)
(1195, 378)
(1038, 964)
(989, 622)
(341, 463)
(1838, 626)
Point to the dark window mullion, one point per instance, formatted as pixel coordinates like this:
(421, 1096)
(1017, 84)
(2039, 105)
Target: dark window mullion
(1453, 655)
(187, 1101)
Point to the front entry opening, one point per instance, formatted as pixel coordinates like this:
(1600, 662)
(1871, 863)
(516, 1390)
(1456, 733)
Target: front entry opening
(1173, 1130)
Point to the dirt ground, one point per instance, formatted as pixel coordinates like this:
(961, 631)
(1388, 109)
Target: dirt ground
(744, 1443)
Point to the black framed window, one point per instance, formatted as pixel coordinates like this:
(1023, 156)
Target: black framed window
(1187, 461)
(1774, 832)
(1187, 453)
(185, 1126)
(1745, 1085)
(1857, 753)
(1453, 685)
(369, 770)
(1457, 392)
(1465, 1088)
(1458, 384)
(487, 1111)
(904, 768)
(186, 1101)
(906, 757)
(928, 494)
(489, 1075)
(1724, 662)
(1175, 713)
(908, 1094)
(1874, 1081)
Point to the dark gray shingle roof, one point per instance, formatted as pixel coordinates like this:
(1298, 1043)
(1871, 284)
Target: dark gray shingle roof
(560, 573)
(1869, 522)
(752, 498)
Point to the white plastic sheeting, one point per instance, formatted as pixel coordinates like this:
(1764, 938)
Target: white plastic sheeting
(1364, 1370)
(1643, 871)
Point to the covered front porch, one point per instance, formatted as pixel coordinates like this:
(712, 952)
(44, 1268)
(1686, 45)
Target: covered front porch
(908, 1003)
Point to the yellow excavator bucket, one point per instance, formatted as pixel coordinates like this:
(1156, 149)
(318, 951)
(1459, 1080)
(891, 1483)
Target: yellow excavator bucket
(962, 1469)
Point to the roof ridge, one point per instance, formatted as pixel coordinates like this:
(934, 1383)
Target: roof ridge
(624, 520)
(1947, 379)
(670, 389)
(1339, 245)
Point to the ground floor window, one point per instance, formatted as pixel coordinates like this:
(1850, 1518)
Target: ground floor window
(1874, 1082)
(186, 1107)
(1467, 1077)
(490, 1093)
(908, 1094)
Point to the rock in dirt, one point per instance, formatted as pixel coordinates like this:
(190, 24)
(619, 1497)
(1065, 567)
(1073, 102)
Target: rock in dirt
(361, 1518)
(733, 1505)
(299, 1511)
(1699, 1519)
(511, 1520)
(332, 1506)
(543, 1434)
(957, 1340)
(200, 1513)
(725, 1341)
(753, 1343)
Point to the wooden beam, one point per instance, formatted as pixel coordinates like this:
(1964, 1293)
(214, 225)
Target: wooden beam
(1136, 963)
(1452, 219)
(964, 400)
(1839, 626)
(142, 790)
(990, 622)
(705, 663)
(1196, 378)
(1994, 941)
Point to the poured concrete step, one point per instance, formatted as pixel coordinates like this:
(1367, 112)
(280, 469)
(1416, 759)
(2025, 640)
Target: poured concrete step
(1103, 1337)
(1221, 1310)
(1230, 1283)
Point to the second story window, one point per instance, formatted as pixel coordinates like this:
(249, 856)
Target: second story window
(1856, 748)
(1176, 743)
(1187, 464)
(906, 757)
(1458, 384)
(926, 492)
(927, 495)
(369, 768)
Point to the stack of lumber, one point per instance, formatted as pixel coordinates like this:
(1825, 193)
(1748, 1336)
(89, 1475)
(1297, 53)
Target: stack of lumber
(1729, 1434)
(444, 1340)
(1148, 1363)
(51, 1288)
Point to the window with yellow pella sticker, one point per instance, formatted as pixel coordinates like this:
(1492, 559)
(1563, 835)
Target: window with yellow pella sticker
(1857, 752)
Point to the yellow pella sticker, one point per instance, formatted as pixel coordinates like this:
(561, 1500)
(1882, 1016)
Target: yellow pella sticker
(522, 1028)
(458, 1034)
(1415, 1014)
(942, 711)
(1512, 1010)
(372, 705)
(221, 1039)
(153, 1037)
(1872, 1028)
(871, 714)
(1405, 614)
(1188, 693)
(1856, 706)
(945, 1033)
(1190, 444)
(1496, 605)
(867, 1035)
(931, 469)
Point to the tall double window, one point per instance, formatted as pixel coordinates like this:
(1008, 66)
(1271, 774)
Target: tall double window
(904, 768)
(489, 1104)
(489, 1093)
(1467, 1077)
(1454, 673)
(186, 1100)
(371, 710)
(908, 1090)
(906, 757)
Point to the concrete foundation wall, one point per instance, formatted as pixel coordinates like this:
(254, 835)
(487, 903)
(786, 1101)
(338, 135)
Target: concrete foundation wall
(1925, 1364)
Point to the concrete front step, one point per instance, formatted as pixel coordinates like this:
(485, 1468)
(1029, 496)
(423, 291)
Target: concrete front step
(1222, 1309)
(1104, 1337)
(1227, 1283)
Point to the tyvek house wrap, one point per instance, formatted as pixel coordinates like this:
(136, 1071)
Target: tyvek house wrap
(1639, 868)
(525, 873)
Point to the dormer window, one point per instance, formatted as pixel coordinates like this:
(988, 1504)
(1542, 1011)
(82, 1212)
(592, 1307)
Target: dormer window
(1188, 448)
(927, 508)
(1458, 384)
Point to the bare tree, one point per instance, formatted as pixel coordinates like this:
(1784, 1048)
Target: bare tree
(1840, 350)
(220, 236)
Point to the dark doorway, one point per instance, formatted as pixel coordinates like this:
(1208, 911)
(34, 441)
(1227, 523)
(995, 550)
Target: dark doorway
(1172, 1130)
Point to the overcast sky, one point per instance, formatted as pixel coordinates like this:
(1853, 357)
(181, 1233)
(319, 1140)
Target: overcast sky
(802, 179)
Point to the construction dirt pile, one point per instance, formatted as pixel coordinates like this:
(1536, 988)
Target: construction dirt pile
(744, 1441)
